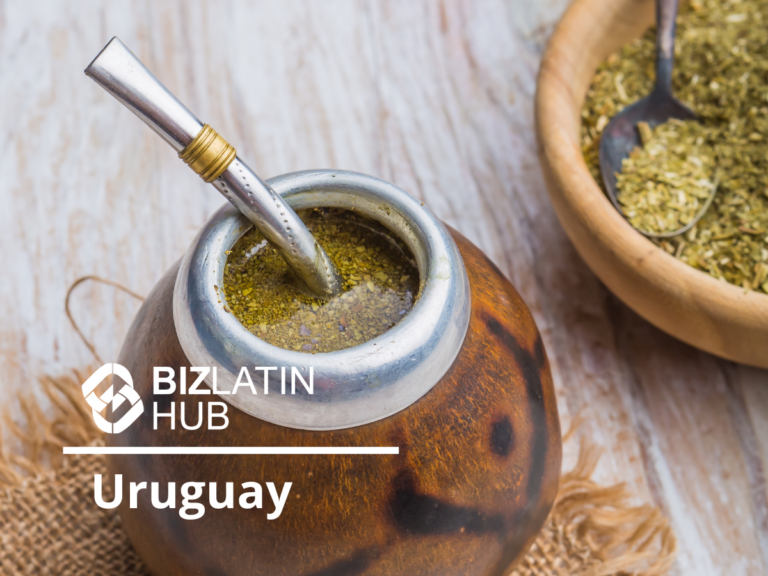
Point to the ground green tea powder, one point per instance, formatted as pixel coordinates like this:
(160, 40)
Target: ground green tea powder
(721, 73)
(379, 278)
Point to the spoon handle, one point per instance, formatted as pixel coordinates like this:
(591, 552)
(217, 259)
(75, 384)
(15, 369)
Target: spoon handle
(666, 23)
(121, 74)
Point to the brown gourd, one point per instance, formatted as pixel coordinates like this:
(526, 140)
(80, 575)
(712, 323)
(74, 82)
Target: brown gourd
(479, 447)
(474, 481)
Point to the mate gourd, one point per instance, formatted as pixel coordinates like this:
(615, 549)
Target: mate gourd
(463, 390)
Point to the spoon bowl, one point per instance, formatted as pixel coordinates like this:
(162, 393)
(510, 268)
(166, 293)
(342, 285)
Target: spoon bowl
(620, 136)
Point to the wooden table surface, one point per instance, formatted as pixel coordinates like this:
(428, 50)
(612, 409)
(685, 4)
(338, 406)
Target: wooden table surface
(435, 97)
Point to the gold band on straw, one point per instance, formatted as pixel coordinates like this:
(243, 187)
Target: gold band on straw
(208, 154)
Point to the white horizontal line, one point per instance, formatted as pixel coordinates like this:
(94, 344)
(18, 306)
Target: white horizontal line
(247, 450)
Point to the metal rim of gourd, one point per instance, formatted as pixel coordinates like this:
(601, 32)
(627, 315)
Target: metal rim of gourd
(354, 386)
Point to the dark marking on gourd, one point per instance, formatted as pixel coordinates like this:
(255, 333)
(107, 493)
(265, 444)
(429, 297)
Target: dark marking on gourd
(417, 513)
(397, 437)
(511, 552)
(531, 374)
(355, 565)
(502, 436)
(538, 351)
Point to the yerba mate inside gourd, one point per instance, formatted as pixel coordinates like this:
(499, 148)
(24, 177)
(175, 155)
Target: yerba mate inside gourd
(379, 276)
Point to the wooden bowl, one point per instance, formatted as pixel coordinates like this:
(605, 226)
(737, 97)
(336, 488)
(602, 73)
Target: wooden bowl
(691, 305)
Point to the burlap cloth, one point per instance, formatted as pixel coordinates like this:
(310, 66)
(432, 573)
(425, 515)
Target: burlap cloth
(50, 524)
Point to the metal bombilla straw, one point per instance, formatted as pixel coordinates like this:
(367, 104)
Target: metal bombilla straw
(121, 74)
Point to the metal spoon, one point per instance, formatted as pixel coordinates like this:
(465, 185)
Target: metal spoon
(121, 74)
(620, 136)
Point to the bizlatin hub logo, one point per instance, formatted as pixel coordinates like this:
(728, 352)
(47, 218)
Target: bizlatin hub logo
(139, 494)
(125, 394)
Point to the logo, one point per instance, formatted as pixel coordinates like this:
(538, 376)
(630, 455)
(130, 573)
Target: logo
(98, 403)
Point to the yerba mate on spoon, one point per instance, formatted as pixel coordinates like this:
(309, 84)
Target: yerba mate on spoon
(632, 127)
